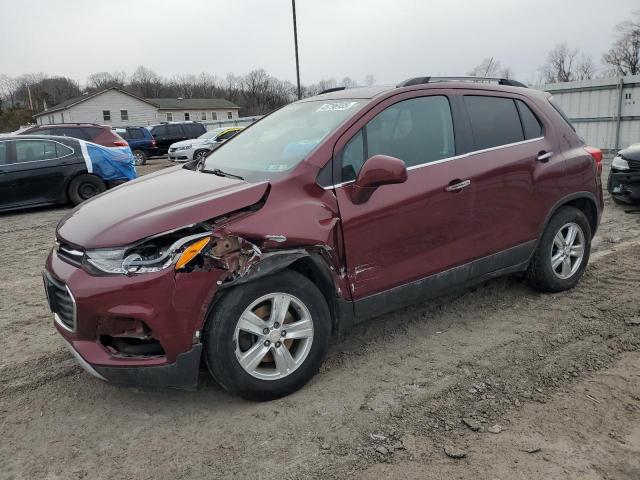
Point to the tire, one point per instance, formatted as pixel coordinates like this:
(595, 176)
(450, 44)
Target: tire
(140, 156)
(85, 186)
(552, 247)
(200, 154)
(225, 341)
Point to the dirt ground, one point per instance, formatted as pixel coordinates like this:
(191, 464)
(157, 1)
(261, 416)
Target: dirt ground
(556, 378)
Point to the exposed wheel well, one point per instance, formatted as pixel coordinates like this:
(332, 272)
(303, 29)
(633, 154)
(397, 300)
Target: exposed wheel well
(588, 207)
(315, 269)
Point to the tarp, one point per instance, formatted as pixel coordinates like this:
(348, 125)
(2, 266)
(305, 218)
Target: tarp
(109, 163)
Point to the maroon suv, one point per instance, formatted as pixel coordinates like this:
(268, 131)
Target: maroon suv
(91, 132)
(328, 212)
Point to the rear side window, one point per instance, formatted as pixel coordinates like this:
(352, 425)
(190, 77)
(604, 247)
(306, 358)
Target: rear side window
(494, 121)
(90, 133)
(40, 131)
(34, 150)
(561, 113)
(530, 123)
(417, 131)
(133, 133)
(193, 129)
(174, 131)
(159, 131)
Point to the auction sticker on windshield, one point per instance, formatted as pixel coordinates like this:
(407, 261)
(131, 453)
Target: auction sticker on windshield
(335, 106)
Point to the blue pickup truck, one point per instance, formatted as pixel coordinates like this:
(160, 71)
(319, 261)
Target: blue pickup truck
(142, 144)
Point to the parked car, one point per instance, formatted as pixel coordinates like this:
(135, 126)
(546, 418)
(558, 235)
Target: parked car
(199, 148)
(328, 212)
(43, 170)
(91, 132)
(141, 142)
(166, 134)
(624, 177)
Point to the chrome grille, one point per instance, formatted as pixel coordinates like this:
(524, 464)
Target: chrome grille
(61, 302)
(69, 253)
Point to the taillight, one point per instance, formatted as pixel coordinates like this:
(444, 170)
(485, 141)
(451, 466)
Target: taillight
(596, 153)
(120, 143)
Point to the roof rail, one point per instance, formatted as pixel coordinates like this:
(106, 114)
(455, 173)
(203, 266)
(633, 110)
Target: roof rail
(334, 89)
(499, 81)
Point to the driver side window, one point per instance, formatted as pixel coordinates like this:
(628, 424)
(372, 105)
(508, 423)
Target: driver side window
(417, 131)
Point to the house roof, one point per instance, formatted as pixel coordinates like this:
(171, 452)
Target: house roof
(74, 101)
(162, 103)
(191, 103)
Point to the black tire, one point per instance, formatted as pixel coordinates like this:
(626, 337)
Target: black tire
(220, 345)
(140, 156)
(85, 186)
(540, 273)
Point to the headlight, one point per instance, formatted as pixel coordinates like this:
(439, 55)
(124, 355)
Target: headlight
(149, 256)
(184, 147)
(620, 163)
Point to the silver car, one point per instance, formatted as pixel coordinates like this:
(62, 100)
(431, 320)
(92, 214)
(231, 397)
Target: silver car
(199, 148)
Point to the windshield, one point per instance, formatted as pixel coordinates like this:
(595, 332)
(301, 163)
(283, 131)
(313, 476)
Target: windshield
(211, 133)
(282, 140)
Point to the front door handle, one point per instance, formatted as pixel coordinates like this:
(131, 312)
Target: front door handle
(457, 185)
(544, 156)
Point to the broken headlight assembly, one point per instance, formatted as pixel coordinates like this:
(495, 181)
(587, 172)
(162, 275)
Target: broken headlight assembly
(152, 255)
(620, 163)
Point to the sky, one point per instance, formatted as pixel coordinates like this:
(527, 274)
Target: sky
(389, 39)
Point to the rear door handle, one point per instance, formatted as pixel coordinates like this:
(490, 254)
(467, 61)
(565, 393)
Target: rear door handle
(457, 185)
(544, 156)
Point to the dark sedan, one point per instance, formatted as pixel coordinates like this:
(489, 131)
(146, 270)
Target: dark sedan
(44, 170)
(624, 178)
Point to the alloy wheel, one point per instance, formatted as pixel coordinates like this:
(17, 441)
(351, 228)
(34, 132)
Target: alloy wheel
(567, 250)
(273, 336)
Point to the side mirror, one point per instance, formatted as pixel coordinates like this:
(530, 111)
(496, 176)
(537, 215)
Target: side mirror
(377, 171)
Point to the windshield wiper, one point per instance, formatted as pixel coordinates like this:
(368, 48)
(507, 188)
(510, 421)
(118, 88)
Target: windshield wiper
(220, 173)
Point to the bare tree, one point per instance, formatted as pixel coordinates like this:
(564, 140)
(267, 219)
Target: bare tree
(146, 82)
(369, 80)
(560, 64)
(585, 68)
(103, 80)
(348, 82)
(490, 67)
(624, 55)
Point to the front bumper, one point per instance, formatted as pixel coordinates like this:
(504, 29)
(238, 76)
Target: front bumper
(172, 307)
(625, 185)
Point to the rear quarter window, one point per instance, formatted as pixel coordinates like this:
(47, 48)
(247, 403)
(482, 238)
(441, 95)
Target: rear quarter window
(132, 133)
(530, 123)
(494, 121)
(557, 108)
(193, 129)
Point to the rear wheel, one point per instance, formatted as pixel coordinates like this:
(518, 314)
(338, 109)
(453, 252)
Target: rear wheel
(84, 187)
(140, 157)
(563, 252)
(267, 338)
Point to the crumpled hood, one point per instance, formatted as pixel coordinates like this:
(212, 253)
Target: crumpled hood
(632, 152)
(165, 200)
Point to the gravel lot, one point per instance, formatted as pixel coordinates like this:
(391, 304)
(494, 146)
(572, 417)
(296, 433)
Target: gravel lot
(558, 376)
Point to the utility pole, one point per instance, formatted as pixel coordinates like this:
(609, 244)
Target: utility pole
(295, 41)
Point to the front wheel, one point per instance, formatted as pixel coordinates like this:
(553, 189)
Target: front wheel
(562, 253)
(200, 155)
(268, 338)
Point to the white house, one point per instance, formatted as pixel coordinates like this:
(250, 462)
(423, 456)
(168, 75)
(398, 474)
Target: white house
(119, 108)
